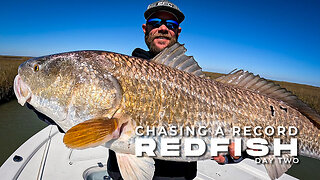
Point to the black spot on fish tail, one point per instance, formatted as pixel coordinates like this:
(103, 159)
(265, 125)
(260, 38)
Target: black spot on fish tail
(283, 108)
(272, 110)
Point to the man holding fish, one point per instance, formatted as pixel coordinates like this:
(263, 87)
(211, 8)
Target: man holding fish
(162, 30)
(100, 98)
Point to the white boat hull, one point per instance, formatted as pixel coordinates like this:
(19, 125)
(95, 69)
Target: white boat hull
(44, 156)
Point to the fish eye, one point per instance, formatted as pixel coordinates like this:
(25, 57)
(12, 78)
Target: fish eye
(36, 68)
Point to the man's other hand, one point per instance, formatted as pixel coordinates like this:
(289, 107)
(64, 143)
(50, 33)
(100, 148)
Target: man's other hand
(229, 158)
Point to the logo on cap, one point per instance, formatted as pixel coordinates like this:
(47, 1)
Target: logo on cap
(163, 3)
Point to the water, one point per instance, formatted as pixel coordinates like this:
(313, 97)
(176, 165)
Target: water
(17, 124)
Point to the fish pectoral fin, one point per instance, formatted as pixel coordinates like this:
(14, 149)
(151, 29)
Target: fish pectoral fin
(277, 168)
(135, 168)
(90, 133)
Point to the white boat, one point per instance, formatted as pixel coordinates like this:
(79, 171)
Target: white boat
(44, 156)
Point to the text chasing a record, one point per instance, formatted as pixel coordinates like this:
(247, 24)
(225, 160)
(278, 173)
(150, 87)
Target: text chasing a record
(193, 143)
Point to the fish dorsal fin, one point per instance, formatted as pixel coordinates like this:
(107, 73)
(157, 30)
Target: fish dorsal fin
(247, 80)
(175, 57)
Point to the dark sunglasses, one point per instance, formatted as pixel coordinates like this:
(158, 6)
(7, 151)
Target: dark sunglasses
(156, 22)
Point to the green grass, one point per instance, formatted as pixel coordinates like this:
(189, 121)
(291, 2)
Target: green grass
(8, 70)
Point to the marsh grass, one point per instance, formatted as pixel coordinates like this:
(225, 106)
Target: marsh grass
(8, 70)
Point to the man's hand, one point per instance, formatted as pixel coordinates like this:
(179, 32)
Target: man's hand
(230, 158)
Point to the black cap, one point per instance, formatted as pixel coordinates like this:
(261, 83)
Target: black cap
(165, 6)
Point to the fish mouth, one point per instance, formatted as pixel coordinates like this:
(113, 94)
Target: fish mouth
(21, 90)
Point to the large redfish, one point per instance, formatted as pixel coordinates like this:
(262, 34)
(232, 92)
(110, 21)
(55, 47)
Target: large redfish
(99, 97)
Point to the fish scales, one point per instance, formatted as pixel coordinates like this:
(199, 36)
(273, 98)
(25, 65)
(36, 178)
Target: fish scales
(157, 95)
(182, 99)
(98, 97)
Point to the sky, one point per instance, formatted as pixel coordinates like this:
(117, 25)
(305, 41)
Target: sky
(277, 39)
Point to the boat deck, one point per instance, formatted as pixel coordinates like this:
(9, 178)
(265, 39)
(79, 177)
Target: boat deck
(44, 156)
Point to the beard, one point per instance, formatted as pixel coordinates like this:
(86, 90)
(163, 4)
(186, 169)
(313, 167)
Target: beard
(152, 47)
